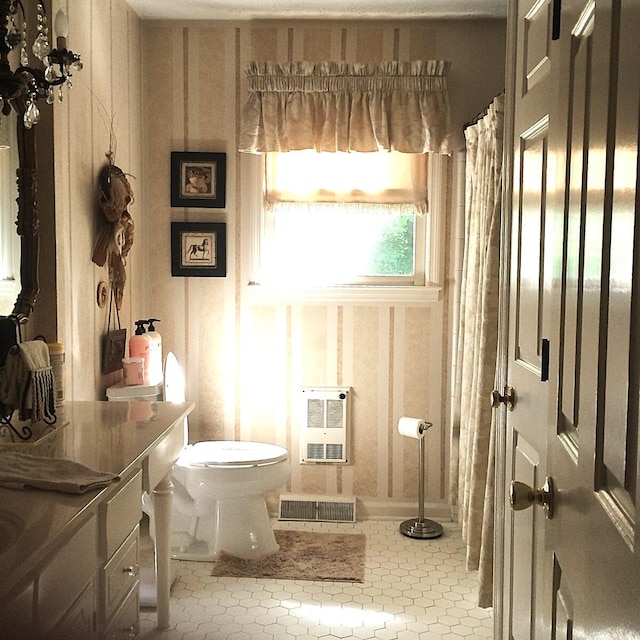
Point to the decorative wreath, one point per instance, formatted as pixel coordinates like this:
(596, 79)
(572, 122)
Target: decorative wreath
(116, 235)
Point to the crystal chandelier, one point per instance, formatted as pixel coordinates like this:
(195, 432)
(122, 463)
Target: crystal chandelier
(27, 84)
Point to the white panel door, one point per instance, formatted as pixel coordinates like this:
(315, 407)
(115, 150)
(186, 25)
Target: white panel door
(574, 342)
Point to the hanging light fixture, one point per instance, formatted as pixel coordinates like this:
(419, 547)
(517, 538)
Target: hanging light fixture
(28, 83)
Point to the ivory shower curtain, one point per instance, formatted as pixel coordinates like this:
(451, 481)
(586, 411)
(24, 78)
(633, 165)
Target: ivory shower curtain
(477, 343)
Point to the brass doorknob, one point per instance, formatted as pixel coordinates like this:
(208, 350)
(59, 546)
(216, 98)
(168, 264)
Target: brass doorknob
(508, 398)
(522, 496)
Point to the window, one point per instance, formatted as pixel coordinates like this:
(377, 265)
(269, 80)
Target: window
(338, 219)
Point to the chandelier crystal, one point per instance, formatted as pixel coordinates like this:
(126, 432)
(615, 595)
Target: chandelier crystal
(27, 84)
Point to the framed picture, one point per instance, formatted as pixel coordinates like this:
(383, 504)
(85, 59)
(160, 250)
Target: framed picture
(199, 249)
(198, 179)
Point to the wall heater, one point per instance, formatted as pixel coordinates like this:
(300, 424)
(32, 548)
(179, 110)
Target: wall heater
(325, 424)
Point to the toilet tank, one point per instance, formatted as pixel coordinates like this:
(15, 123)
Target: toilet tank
(149, 392)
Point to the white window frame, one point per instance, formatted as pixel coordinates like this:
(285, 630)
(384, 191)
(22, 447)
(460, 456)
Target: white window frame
(252, 167)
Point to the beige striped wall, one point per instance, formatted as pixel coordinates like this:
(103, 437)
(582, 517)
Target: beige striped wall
(246, 357)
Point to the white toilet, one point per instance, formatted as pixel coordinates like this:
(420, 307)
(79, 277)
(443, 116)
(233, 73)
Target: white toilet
(219, 491)
(220, 486)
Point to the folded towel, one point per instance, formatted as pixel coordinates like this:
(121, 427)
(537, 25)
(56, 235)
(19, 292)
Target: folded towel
(27, 384)
(20, 471)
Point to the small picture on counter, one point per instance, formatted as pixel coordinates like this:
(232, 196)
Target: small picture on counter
(198, 179)
(198, 249)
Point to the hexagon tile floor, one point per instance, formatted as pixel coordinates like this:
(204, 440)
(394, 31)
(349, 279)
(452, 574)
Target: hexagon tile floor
(413, 590)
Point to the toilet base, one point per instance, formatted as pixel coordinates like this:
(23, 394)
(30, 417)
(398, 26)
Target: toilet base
(239, 526)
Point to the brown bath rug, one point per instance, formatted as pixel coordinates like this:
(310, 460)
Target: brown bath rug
(303, 555)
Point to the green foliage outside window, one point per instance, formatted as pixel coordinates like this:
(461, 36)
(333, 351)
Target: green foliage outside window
(393, 254)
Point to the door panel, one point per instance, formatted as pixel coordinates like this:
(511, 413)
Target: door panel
(526, 559)
(575, 215)
(536, 59)
(525, 466)
(530, 245)
(562, 612)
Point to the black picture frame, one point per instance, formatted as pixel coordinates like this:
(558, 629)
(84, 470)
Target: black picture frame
(198, 179)
(199, 249)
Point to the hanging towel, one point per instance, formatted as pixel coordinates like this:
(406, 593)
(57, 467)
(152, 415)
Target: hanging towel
(26, 382)
(21, 471)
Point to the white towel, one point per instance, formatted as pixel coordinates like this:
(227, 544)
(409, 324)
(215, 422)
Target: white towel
(21, 471)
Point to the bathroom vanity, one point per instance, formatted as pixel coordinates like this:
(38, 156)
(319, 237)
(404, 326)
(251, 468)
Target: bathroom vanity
(69, 563)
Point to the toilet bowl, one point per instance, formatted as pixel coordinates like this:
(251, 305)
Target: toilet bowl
(219, 498)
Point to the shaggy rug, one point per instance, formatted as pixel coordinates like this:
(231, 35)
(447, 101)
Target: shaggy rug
(303, 555)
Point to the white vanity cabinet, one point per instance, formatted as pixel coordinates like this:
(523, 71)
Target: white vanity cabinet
(69, 565)
(56, 599)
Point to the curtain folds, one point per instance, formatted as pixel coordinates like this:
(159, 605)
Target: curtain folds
(477, 345)
(338, 106)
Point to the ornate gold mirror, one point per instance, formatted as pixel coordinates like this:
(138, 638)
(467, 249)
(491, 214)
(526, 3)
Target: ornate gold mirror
(28, 223)
(32, 72)
(19, 213)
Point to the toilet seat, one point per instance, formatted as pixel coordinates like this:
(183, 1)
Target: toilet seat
(231, 453)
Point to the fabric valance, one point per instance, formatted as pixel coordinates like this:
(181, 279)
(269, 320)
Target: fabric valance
(339, 106)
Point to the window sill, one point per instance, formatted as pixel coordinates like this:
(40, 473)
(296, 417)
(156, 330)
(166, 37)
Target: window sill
(349, 293)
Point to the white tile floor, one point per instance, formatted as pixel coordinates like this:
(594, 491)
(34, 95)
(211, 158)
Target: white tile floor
(413, 590)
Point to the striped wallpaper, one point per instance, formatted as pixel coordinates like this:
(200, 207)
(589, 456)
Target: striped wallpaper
(246, 357)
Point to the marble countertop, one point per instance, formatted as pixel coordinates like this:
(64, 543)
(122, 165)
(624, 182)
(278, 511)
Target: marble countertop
(106, 436)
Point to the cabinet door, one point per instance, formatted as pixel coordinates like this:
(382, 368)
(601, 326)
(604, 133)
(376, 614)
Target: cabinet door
(16, 614)
(78, 623)
(66, 576)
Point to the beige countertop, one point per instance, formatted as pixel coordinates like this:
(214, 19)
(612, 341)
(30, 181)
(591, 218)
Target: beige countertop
(106, 436)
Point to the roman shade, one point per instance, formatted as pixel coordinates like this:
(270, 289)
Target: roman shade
(383, 182)
(339, 106)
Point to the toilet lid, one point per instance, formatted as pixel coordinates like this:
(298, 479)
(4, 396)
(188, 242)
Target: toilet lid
(226, 453)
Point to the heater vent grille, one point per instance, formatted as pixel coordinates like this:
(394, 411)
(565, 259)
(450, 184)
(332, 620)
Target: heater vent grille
(324, 424)
(317, 509)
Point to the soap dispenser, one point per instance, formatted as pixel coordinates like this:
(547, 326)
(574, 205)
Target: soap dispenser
(139, 348)
(155, 352)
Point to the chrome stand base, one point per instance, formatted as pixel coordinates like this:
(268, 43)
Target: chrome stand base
(421, 528)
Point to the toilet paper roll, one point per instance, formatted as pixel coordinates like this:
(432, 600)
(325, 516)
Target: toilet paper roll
(412, 427)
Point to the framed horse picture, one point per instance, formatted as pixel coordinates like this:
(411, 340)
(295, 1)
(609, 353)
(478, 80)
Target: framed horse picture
(199, 249)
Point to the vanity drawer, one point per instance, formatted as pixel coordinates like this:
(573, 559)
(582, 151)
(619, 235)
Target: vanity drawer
(161, 459)
(126, 623)
(121, 573)
(120, 514)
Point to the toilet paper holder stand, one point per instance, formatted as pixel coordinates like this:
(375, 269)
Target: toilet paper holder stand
(420, 527)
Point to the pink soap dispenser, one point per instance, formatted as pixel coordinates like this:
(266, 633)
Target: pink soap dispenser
(139, 348)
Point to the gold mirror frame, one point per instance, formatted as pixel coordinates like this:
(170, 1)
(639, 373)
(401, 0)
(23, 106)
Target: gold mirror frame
(27, 222)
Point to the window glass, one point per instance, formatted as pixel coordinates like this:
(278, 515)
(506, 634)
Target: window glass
(339, 219)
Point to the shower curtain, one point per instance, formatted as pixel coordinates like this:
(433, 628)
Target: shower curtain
(476, 346)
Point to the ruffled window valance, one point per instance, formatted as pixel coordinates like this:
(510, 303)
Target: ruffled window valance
(337, 106)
